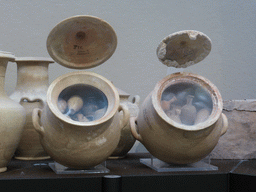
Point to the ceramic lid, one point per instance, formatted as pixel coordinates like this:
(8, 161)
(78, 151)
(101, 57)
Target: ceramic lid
(81, 42)
(7, 55)
(183, 48)
(34, 59)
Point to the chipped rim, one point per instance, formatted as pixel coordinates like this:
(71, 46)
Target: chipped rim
(188, 77)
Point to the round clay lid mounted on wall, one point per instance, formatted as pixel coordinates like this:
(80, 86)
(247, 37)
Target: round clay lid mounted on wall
(183, 48)
(81, 42)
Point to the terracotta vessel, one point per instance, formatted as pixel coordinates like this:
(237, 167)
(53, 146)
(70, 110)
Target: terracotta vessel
(74, 143)
(81, 42)
(172, 141)
(30, 92)
(184, 48)
(12, 118)
(127, 140)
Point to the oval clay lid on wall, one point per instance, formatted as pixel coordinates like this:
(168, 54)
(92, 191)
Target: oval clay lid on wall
(184, 48)
(81, 42)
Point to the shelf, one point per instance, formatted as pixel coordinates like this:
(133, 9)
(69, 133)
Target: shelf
(135, 176)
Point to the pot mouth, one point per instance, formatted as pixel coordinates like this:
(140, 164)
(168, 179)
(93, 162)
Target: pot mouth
(33, 59)
(81, 42)
(79, 91)
(187, 101)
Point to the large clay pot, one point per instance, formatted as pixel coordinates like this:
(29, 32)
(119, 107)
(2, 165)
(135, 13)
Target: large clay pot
(12, 118)
(127, 140)
(172, 141)
(78, 143)
(30, 92)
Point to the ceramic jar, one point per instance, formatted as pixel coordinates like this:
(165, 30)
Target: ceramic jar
(30, 92)
(127, 140)
(83, 136)
(12, 118)
(175, 141)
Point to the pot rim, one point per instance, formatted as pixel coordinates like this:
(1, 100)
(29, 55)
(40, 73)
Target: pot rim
(34, 59)
(197, 79)
(54, 109)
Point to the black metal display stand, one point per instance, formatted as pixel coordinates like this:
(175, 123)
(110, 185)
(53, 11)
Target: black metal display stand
(129, 174)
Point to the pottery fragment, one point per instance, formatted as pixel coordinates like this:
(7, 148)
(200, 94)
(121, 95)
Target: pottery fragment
(202, 115)
(75, 103)
(62, 105)
(188, 112)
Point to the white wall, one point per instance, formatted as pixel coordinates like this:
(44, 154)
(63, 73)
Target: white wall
(140, 26)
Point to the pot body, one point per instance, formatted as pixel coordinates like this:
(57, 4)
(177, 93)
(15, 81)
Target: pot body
(12, 118)
(30, 92)
(126, 140)
(78, 144)
(172, 141)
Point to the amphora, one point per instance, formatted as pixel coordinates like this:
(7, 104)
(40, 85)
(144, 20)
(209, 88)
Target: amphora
(12, 118)
(30, 92)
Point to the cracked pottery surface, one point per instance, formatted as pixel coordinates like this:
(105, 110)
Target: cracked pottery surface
(183, 48)
(240, 140)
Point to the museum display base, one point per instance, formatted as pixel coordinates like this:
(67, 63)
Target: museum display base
(161, 166)
(61, 169)
(232, 175)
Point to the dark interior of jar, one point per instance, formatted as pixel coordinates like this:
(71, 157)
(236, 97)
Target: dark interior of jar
(82, 103)
(187, 103)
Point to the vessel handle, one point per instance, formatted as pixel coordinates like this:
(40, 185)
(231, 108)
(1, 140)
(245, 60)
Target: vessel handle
(126, 115)
(34, 100)
(36, 119)
(224, 124)
(134, 129)
(136, 99)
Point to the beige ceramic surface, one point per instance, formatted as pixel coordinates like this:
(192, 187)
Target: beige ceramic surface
(183, 48)
(80, 144)
(12, 118)
(30, 92)
(81, 42)
(126, 140)
(173, 142)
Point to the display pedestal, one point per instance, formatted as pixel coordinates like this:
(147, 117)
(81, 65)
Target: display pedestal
(161, 166)
(60, 169)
